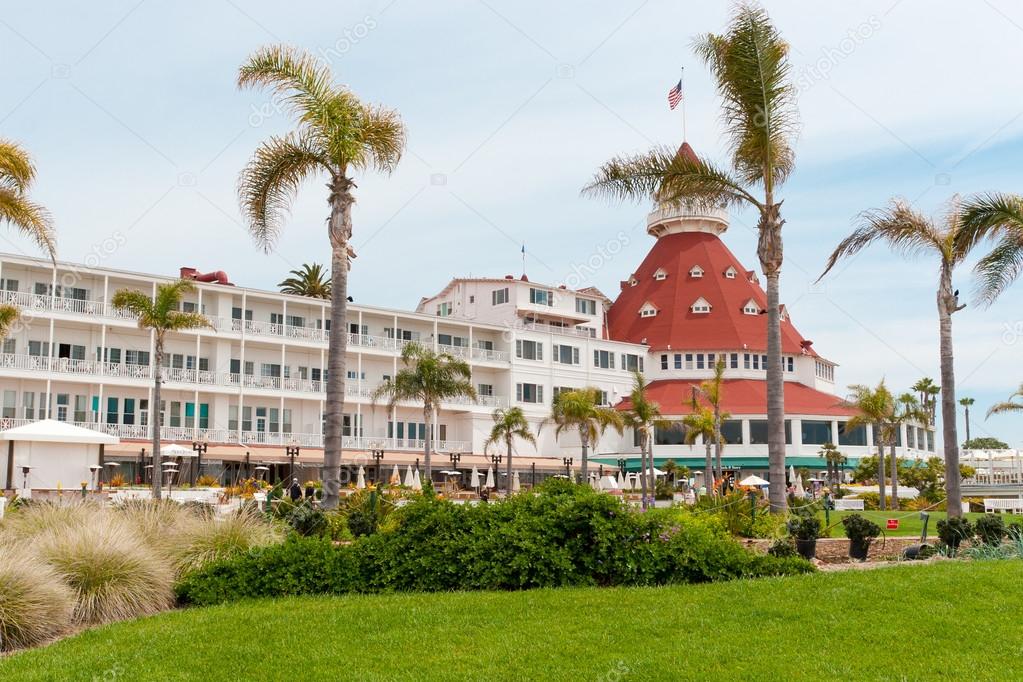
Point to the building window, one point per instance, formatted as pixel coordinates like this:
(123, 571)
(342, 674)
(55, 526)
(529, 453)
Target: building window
(647, 311)
(633, 281)
(529, 393)
(734, 361)
(541, 297)
(816, 432)
(451, 340)
(696, 272)
(485, 389)
(664, 361)
(603, 359)
(758, 432)
(756, 362)
(700, 306)
(730, 272)
(854, 436)
(566, 355)
(731, 431)
(632, 362)
(790, 364)
(751, 308)
(10, 404)
(699, 361)
(678, 361)
(443, 309)
(689, 361)
(588, 331)
(586, 306)
(660, 275)
(10, 346)
(528, 350)
(675, 434)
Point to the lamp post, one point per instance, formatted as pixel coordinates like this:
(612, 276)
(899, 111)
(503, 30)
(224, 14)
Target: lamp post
(378, 455)
(496, 459)
(567, 461)
(200, 450)
(292, 452)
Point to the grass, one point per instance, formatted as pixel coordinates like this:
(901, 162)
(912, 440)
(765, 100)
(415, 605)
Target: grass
(907, 622)
(910, 524)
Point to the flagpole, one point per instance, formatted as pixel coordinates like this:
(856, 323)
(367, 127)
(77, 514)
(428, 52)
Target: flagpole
(682, 80)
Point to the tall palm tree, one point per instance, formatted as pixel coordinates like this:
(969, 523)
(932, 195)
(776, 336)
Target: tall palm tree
(644, 417)
(700, 424)
(928, 392)
(712, 392)
(580, 410)
(999, 217)
(908, 232)
(905, 409)
(966, 403)
(428, 378)
(750, 65)
(309, 280)
(509, 424)
(161, 315)
(337, 136)
(17, 173)
(874, 406)
(1010, 405)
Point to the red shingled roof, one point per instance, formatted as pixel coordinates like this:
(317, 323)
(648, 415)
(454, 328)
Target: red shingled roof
(743, 397)
(726, 327)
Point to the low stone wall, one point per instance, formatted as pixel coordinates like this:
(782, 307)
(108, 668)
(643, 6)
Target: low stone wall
(836, 550)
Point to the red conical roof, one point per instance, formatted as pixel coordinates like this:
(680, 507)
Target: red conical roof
(725, 327)
(687, 152)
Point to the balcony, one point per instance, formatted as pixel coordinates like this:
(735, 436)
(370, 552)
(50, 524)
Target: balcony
(669, 219)
(556, 329)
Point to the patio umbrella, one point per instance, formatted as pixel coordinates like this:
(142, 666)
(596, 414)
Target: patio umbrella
(792, 474)
(490, 477)
(516, 486)
(621, 480)
(409, 478)
(175, 450)
(395, 476)
(417, 483)
(800, 491)
(609, 483)
(474, 482)
(753, 482)
(360, 483)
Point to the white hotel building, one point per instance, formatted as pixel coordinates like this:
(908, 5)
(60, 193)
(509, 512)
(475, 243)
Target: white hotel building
(254, 383)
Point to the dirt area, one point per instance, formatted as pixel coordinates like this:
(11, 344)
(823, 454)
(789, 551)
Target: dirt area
(836, 550)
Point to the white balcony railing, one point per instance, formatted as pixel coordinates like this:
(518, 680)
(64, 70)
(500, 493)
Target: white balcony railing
(556, 329)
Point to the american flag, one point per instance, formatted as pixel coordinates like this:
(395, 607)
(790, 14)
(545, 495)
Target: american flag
(675, 95)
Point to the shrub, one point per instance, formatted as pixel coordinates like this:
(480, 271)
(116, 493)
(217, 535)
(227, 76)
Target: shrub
(871, 501)
(211, 538)
(859, 529)
(32, 518)
(207, 481)
(163, 524)
(35, 606)
(783, 548)
(112, 573)
(306, 520)
(803, 527)
(954, 530)
(990, 529)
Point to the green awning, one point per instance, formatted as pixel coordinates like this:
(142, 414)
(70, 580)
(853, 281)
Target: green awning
(632, 462)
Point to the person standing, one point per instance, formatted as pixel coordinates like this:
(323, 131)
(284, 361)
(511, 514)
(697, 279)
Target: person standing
(295, 490)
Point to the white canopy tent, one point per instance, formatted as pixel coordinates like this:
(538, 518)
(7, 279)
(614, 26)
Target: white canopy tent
(57, 454)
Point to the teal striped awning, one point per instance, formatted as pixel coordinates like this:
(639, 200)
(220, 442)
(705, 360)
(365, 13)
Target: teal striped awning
(632, 462)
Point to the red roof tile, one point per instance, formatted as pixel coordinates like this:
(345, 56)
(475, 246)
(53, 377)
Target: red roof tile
(743, 397)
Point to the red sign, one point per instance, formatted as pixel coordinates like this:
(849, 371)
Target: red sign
(893, 524)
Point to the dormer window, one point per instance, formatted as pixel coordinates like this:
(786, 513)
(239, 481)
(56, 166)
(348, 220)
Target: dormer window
(751, 308)
(633, 281)
(660, 275)
(696, 272)
(700, 306)
(648, 310)
(730, 272)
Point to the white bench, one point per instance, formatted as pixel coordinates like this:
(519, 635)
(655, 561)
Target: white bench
(1002, 505)
(843, 504)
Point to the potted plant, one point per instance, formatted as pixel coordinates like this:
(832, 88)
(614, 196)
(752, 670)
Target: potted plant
(806, 530)
(861, 532)
(953, 531)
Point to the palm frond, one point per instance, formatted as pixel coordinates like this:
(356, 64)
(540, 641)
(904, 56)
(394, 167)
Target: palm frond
(268, 184)
(310, 280)
(1010, 405)
(382, 136)
(178, 321)
(29, 218)
(300, 82)
(16, 169)
(9, 316)
(996, 216)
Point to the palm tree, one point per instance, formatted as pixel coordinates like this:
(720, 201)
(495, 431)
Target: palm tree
(750, 64)
(908, 232)
(999, 217)
(875, 407)
(928, 392)
(906, 409)
(337, 136)
(644, 416)
(834, 459)
(161, 315)
(508, 425)
(17, 173)
(711, 391)
(966, 403)
(580, 409)
(309, 280)
(428, 378)
(1010, 405)
(700, 424)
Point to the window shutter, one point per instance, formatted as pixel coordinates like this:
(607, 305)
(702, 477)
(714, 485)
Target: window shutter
(539, 351)
(640, 363)
(518, 348)
(539, 393)
(518, 392)
(596, 358)
(575, 356)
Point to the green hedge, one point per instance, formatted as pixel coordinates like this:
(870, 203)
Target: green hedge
(567, 535)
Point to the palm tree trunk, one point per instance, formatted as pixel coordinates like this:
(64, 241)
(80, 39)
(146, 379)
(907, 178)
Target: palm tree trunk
(340, 229)
(769, 250)
(881, 504)
(946, 305)
(427, 455)
(717, 441)
(895, 474)
(584, 438)
(508, 466)
(154, 413)
(708, 471)
(644, 447)
(966, 421)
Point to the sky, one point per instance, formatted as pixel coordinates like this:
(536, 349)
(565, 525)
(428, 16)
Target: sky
(131, 113)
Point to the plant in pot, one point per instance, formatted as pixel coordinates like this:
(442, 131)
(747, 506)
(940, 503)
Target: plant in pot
(806, 530)
(953, 531)
(861, 532)
(990, 529)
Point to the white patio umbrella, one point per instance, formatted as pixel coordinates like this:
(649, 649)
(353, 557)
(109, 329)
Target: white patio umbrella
(175, 450)
(609, 483)
(754, 482)
(792, 473)
(800, 491)
(621, 480)
(360, 483)
(409, 478)
(490, 477)
(395, 476)
(474, 482)
(516, 485)
(417, 483)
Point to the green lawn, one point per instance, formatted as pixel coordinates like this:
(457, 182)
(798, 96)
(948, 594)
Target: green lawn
(910, 524)
(907, 622)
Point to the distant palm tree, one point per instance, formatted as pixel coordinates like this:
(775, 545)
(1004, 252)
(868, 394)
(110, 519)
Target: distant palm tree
(644, 417)
(712, 392)
(309, 280)
(928, 392)
(874, 406)
(428, 378)
(700, 424)
(337, 135)
(580, 410)
(1010, 405)
(908, 232)
(750, 64)
(161, 315)
(509, 424)
(906, 409)
(999, 217)
(834, 459)
(966, 403)
(17, 173)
